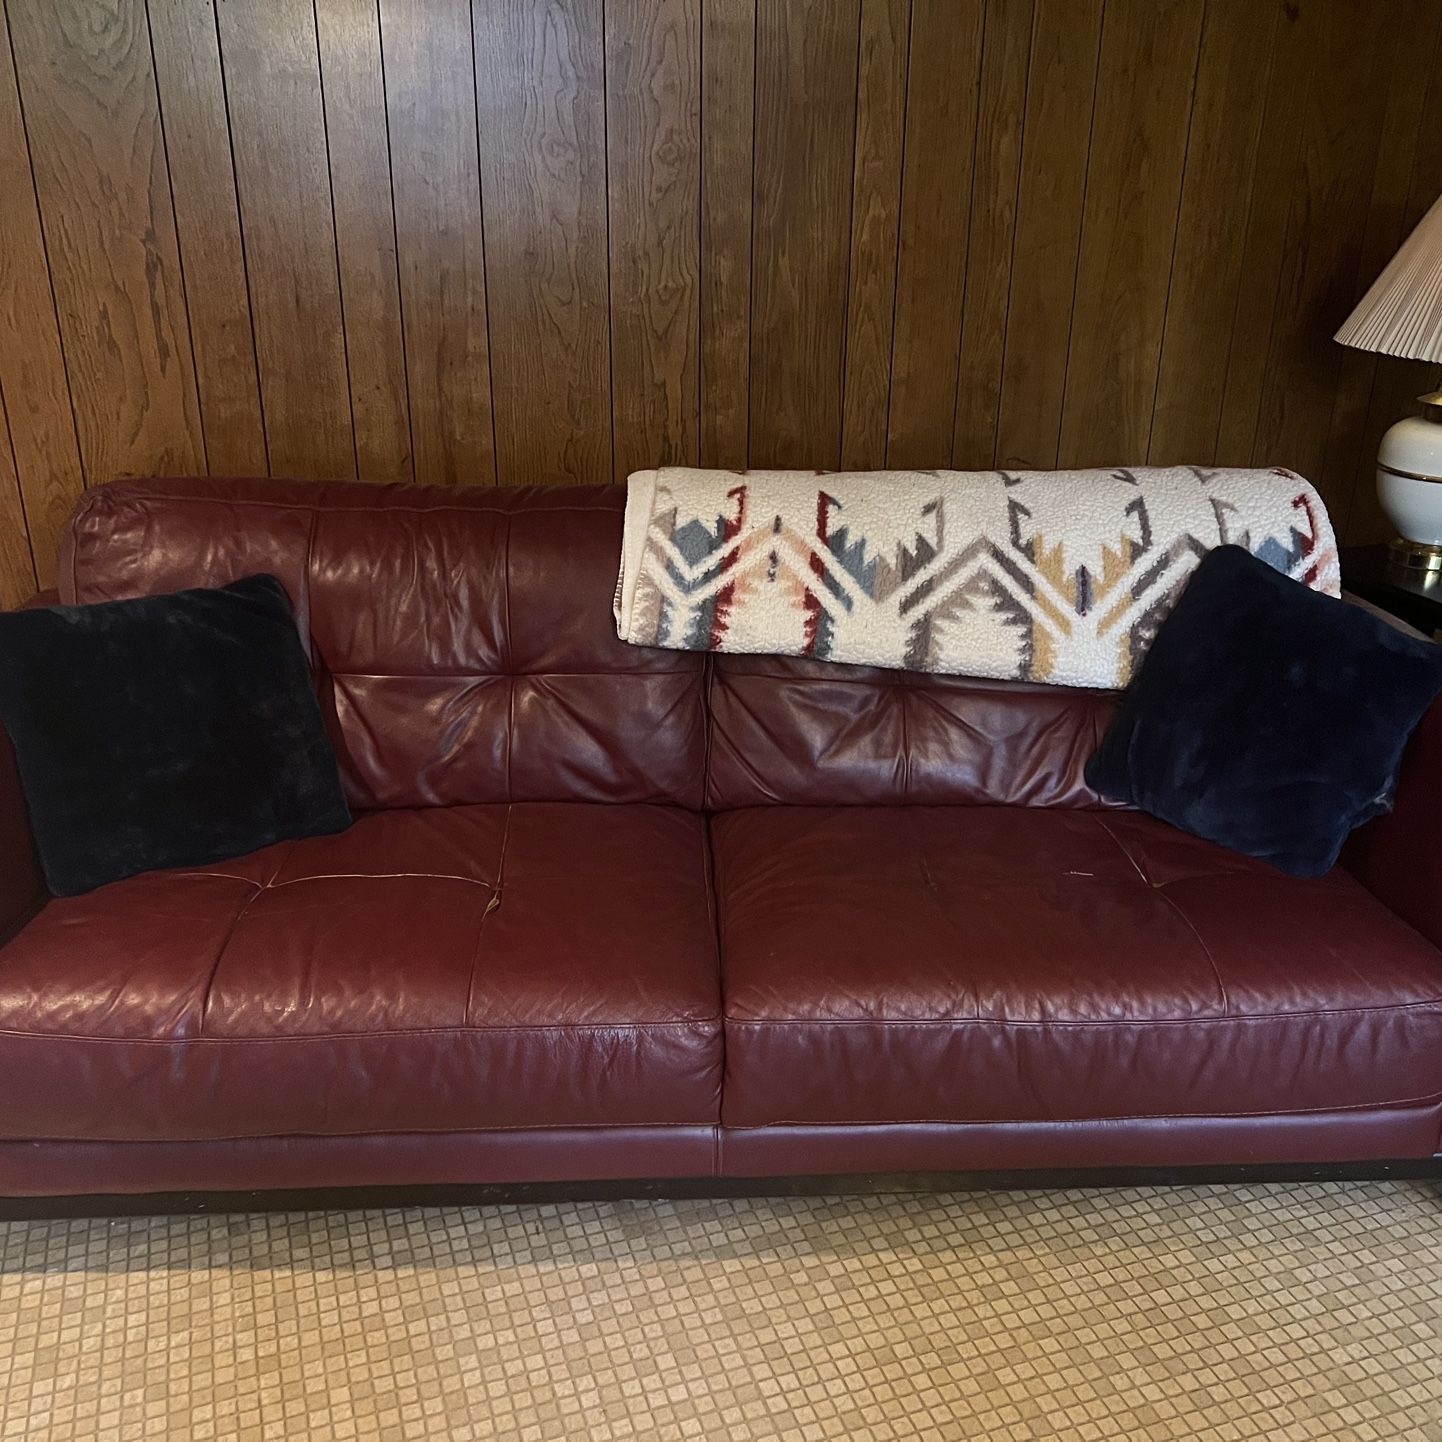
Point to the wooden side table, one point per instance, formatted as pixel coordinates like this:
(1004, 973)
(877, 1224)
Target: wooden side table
(1412, 596)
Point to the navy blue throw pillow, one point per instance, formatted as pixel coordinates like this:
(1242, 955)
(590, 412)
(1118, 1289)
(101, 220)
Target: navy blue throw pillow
(166, 731)
(1266, 716)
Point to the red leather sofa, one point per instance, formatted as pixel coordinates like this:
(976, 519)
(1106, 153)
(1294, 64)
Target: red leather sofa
(611, 913)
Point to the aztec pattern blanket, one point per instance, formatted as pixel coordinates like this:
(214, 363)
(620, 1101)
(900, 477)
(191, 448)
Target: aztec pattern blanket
(1057, 576)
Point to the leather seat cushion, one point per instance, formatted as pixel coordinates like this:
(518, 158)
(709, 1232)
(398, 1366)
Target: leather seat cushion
(428, 970)
(887, 965)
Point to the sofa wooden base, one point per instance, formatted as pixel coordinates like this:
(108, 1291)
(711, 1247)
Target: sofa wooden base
(158, 1204)
(570, 1163)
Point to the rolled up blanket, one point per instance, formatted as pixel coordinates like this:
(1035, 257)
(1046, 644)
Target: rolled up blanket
(1058, 576)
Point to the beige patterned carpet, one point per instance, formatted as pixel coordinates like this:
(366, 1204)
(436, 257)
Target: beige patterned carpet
(1292, 1311)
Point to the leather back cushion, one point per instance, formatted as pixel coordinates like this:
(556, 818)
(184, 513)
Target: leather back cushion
(462, 637)
(466, 653)
(813, 733)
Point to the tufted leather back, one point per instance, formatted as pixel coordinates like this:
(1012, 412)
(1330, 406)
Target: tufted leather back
(464, 646)
(461, 636)
(811, 733)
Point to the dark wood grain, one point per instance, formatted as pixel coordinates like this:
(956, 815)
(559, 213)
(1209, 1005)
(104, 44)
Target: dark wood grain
(936, 187)
(728, 86)
(88, 88)
(1001, 105)
(440, 245)
(541, 88)
(1061, 84)
(805, 135)
(1293, 49)
(882, 57)
(653, 141)
(359, 163)
(1326, 221)
(42, 455)
(1211, 231)
(558, 240)
(268, 49)
(207, 217)
(1129, 228)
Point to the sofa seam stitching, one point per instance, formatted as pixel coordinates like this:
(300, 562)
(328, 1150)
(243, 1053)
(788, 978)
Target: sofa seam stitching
(1144, 1021)
(509, 660)
(1159, 890)
(507, 675)
(224, 946)
(956, 681)
(260, 887)
(720, 1129)
(1427, 1099)
(903, 688)
(708, 683)
(691, 1126)
(689, 1024)
(491, 905)
(163, 498)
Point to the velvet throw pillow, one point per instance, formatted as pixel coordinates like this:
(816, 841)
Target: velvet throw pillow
(1266, 716)
(166, 731)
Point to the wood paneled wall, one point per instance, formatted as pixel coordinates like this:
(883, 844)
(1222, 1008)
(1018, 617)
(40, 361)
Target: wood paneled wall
(551, 241)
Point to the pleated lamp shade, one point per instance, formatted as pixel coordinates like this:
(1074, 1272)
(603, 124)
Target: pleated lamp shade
(1402, 313)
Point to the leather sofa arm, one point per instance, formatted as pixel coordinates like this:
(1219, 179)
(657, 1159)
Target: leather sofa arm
(22, 887)
(1398, 857)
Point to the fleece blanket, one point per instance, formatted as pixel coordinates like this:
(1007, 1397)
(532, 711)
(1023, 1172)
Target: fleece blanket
(1053, 576)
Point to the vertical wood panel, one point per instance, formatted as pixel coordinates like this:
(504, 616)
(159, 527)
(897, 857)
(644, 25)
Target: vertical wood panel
(272, 68)
(806, 56)
(653, 119)
(1330, 193)
(875, 202)
(207, 217)
(1293, 48)
(728, 87)
(983, 232)
(440, 245)
(1139, 142)
(1211, 230)
(34, 390)
(1006, 54)
(936, 184)
(1061, 84)
(91, 117)
(540, 80)
(353, 90)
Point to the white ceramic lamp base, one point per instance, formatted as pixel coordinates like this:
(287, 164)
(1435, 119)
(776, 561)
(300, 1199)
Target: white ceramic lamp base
(1409, 484)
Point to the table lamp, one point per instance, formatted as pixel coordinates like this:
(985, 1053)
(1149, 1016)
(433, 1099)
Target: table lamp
(1402, 315)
